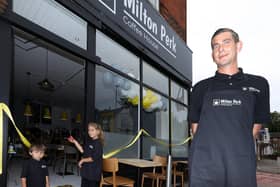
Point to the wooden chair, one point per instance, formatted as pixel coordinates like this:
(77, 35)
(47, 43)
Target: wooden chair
(111, 165)
(176, 173)
(156, 176)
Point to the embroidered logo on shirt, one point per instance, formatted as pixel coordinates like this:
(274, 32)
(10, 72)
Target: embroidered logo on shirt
(43, 166)
(250, 89)
(226, 102)
(90, 146)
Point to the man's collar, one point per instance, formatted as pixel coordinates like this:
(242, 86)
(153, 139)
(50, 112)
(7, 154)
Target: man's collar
(238, 75)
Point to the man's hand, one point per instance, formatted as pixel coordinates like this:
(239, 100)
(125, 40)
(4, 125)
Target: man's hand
(3, 6)
(194, 128)
(256, 129)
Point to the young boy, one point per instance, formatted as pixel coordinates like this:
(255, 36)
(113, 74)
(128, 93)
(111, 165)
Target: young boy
(35, 172)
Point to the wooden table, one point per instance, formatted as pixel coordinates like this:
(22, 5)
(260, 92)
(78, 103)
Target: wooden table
(139, 164)
(180, 162)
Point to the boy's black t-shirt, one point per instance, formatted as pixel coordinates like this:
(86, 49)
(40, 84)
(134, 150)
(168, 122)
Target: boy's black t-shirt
(35, 173)
(92, 170)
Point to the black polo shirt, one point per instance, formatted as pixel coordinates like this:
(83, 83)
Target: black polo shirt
(239, 81)
(92, 170)
(35, 172)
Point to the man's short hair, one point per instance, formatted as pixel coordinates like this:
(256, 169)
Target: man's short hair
(221, 30)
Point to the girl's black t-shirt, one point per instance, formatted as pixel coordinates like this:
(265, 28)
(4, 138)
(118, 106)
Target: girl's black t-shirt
(92, 170)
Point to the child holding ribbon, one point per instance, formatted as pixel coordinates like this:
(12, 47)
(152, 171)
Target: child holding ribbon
(91, 162)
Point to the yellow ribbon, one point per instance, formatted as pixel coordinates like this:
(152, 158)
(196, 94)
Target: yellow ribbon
(5, 108)
(134, 139)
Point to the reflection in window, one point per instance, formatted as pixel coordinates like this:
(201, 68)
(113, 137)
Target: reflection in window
(154, 78)
(52, 16)
(155, 122)
(115, 111)
(179, 93)
(179, 130)
(117, 56)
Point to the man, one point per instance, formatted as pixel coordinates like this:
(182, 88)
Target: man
(226, 112)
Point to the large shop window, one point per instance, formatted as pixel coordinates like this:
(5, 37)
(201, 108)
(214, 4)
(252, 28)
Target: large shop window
(156, 123)
(155, 112)
(179, 122)
(52, 16)
(117, 56)
(154, 78)
(179, 129)
(117, 110)
(179, 93)
(44, 75)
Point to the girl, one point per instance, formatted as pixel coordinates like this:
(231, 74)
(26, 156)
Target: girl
(91, 162)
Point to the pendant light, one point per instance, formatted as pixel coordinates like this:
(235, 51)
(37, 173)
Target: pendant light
(78, 118)
(27, 110)
(27, 107)
(47, 113)
(11, 149)
(45, 84)
(64, 116)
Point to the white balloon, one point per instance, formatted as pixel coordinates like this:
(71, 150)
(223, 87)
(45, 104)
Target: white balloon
(164, 106)
(107, 78)
(143, 93)
(118, 81)
(155, 106)
(124, 93)
(126, 85)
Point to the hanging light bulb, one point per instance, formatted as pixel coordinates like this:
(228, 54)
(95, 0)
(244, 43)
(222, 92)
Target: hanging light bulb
(47, 113)
(27, 107)
(11, 149)
(78, 118)
(64, 116)
(27, 110)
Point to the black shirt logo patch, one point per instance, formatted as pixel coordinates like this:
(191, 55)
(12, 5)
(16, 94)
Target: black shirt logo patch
(226, 102)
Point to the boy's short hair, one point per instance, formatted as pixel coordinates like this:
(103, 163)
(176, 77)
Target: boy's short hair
(38, 147)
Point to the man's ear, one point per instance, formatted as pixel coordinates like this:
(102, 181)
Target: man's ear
(239, 46)
(30, 152)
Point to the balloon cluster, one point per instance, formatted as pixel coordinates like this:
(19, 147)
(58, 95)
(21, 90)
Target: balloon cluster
(151, 100)
(130, 92)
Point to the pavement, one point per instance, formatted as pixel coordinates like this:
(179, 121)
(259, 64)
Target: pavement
(268, 173)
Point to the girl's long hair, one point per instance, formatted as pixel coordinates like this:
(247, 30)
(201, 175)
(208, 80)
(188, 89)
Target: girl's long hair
(98, 128)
